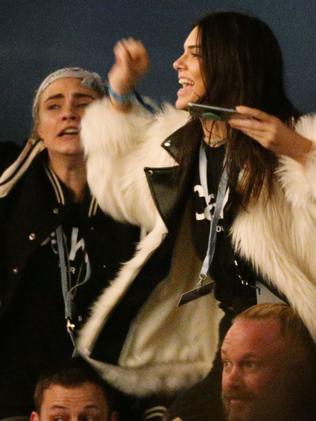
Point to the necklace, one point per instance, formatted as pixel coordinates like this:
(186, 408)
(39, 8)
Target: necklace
(214, 143)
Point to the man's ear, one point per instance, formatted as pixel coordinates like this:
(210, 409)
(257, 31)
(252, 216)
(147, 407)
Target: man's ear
(114, 416)
(34, 416)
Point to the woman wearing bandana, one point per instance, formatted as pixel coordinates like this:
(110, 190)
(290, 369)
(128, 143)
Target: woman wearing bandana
(58, 249)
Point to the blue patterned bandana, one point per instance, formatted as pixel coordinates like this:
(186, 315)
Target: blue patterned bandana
(89, 79)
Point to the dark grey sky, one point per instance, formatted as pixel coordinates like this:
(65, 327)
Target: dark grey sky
(37, 37)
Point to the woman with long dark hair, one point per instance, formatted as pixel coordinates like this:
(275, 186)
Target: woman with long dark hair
(228, 205)
(241, 63)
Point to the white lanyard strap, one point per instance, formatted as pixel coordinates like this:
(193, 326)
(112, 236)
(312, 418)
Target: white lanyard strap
(219, 206)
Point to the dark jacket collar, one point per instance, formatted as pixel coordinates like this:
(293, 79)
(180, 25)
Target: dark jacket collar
(177, 143)
(170, 185)
(34, 208)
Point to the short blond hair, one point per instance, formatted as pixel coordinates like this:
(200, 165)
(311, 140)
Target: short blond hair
(291, 325)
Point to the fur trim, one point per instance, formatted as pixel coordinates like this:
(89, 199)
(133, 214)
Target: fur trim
(118, 147)
(123, 193)
(113, 294)
(147, 381)
(298, 180)
(163, 336)
(287, 231)
(280, 241)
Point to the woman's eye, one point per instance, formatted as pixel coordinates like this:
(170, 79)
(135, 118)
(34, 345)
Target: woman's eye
(196, 52)
(53, 107)
(83, 104)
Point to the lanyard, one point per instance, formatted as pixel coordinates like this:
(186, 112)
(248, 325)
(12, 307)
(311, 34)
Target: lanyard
(67, 289)
(202, 288)
(219, 207)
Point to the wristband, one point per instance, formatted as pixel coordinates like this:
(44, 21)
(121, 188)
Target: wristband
(122, 99)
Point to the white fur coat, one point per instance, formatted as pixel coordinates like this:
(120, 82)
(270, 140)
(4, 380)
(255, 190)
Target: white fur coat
(168, 347)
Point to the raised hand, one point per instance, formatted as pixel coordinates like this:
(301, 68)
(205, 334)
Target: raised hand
(271, 133)
(131, 64)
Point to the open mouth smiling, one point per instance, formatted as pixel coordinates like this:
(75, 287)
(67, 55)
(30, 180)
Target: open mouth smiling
(69, 131)
(184, 82)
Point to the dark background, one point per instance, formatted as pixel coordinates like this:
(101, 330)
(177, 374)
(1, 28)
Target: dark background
(39, 36)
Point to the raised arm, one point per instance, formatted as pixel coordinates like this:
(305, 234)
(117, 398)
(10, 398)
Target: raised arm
(131, 63)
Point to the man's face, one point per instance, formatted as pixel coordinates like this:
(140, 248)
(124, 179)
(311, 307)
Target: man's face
(61, 107)
(256, 379)
(82, 403)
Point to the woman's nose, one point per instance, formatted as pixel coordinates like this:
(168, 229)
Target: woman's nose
(178, 63)
(69, 113)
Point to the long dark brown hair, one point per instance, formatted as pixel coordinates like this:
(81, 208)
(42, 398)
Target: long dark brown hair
(242, 63)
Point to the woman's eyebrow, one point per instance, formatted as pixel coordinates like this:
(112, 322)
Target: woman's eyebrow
(75, 95)
(57, 96)
(81, 95)
(193, 47)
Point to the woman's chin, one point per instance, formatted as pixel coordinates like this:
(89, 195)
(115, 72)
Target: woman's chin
(181, 103)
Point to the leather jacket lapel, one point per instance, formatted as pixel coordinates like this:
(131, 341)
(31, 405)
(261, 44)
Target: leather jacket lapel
(169, 185)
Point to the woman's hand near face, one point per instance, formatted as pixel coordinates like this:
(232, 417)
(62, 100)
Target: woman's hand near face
(271, 133)
(131, 64)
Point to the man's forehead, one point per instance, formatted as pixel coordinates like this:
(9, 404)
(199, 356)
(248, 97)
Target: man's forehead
(86, 394)
(247, 335)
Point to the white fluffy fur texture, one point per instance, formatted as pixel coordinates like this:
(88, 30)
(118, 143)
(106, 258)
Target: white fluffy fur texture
(147, 381)
(115, 145)
(278, 235)
(163, 333)
(298, 180)
(113, 294)
(168, 347)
